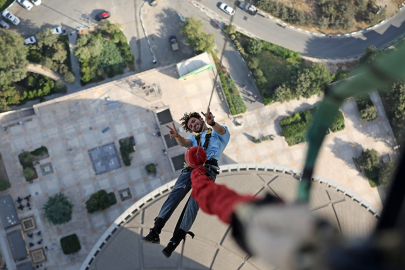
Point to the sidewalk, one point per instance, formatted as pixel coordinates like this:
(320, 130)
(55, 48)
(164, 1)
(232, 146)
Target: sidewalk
(75, 63)
(35, 68)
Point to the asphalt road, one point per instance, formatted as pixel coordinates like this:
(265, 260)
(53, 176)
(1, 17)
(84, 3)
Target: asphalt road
(307, 44)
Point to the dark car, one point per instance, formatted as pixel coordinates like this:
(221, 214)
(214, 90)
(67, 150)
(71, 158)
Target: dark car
(173, 42)
(103, 15)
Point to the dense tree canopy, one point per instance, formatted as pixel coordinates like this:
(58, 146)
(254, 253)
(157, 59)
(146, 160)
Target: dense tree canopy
(58, 209)
(13, 57)
(397, 96)
(386, 172)
(369, 160)
(196, 37)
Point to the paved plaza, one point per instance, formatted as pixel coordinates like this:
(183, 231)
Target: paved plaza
(73, 125)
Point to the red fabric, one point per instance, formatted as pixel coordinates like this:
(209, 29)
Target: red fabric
(215, 199)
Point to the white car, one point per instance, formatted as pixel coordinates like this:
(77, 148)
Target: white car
(36, 2)
(4, 25)
(30, 40)
(57, 30)
(25, 3)
(227, 9)
(12, 18)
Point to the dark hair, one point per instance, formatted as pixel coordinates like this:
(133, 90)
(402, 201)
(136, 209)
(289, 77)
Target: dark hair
(186, 117)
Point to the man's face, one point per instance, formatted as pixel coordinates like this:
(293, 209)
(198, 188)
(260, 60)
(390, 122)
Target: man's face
(195, 124)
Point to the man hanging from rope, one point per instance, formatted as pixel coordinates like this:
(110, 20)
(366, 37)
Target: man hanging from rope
(214, 142)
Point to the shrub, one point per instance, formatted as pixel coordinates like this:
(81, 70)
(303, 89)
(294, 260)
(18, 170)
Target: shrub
(29, 172)
(69, 77)
(58, 209)
(151, 168)
(100, 200)
(26, 158)
(368, 114)
(338, 123)
(70, 244)
(40, 151)
(385, 174)
(369, 160)
(255, 46)
(4, 184)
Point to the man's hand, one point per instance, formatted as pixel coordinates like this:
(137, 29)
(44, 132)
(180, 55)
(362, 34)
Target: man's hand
(173, 132)
(209, 118)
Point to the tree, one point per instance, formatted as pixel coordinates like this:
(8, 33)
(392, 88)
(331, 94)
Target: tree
(60, 54)
(100, 200)
(369, 113)
(386, 172)
(13, 59)
(69, 77)
(195, 35)
(58, 209)
(46, 37)
(253, 63)
(397, 97)
(369, 160)
(29, 173)
(4, 184)
(255, 46)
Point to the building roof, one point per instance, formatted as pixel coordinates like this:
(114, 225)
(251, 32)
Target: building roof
(213, 247)
(8, 213)
(17, 245)
(25, 266)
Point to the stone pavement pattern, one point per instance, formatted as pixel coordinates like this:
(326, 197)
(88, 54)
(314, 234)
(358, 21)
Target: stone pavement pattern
(71, 125)
(215, 248)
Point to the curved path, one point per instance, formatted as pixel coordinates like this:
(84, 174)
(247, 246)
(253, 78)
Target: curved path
(70, 14)
(35, 68)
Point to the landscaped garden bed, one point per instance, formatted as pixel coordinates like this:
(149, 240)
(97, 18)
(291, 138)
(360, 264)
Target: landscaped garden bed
(27, 160)
(295, 127)
(368, 112)
(126, 148)
(103, 53)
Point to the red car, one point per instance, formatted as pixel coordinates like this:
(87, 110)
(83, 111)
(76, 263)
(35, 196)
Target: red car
(103, 15)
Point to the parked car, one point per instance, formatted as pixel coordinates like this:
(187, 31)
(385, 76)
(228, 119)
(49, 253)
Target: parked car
(25, 3)
(3, 24)
(227, 9)
(103, 15)
(12, 18)
(30, 40)
(36, 2)
(153, 3)
(173, 42)
(57, 30)
(251, 9)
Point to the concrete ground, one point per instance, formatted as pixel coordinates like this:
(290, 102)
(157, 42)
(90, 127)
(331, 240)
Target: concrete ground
(71, 125)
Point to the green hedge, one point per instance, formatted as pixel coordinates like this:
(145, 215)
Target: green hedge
(4, 184)
(40, 151)
(70, 244)
(235, 102)
(295, 127)
(368, 112)
(126, 148)
(100, 200)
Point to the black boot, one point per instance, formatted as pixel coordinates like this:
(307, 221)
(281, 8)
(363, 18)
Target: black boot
(153, 236)
(174, 242)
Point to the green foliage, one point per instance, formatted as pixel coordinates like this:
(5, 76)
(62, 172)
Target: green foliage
(296, 126)
(397, 97)
(29, 173)
(100, 200)
(285, 13)
(4, 184)
(305, 82)
(13, 59)
(193, 28)
(60, 87)
(151, 168)
(255, 46)
(41, 151)
(34, 56)
(340, 75)
(235, 102)
(368, 112)
(369, 160)
(70, 244)
(26, 158)
(69, 77)
(8, 96)
(386, 172)
(253, 63)
(36, 86)
(58, 209)
(126, 147)
(46, 38)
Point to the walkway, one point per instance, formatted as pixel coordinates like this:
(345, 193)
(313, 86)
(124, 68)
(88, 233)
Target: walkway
(75, 62)
(36, 68)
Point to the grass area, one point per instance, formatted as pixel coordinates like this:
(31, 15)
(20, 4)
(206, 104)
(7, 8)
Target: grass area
(270, 65)
(5, 3)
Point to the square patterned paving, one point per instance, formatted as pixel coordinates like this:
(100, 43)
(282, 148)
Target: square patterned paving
(125, 194)
(105, 158)
(46, 168)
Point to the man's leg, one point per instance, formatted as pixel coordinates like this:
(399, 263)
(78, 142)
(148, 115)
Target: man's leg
(180, 189)
(185, 225)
